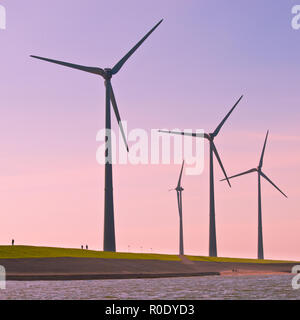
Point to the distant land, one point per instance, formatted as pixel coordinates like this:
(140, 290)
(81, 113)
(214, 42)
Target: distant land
(48, 263)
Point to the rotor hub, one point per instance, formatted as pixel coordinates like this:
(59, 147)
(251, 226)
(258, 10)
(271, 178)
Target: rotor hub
(211, 136)
(108, 73)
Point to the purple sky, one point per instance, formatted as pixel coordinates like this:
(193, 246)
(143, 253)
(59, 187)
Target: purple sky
(187, 74)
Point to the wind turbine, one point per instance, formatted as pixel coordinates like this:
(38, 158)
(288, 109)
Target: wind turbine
(212, 151)
(260, 249)
(109, 243)
(179, 190)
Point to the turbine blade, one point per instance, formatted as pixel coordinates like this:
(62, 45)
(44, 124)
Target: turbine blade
(180, 176)
(272, 183)
(120, 64)
(178, 203)
(198, 135)
(215, 133)
(263, 151)
(180, 196)
(115, 107)
(93, 70)
(241, 174)
(220, 162)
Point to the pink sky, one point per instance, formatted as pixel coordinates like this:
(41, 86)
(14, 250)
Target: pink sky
(188, 74)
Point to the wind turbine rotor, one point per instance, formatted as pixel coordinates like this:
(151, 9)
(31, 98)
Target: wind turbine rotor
(215, 133)
(220, 162)
(182, 133)
(120, 64)
(115, 107)
(93, 70)
(241, 174)
(272, 183)
(263, 151)
(180, 176)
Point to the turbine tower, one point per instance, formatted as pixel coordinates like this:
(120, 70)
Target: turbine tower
(109, 242)
(179, 190)
(260, 247)
(212, 151)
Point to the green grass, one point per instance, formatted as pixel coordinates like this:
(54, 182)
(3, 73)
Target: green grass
(21, 252)
(235, 260)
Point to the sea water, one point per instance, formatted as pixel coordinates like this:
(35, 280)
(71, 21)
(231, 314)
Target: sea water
(195, 288)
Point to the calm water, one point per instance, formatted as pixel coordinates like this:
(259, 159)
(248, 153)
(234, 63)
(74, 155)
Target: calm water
(244, 287)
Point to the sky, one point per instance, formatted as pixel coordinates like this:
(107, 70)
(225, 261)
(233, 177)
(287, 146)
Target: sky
(187, 74)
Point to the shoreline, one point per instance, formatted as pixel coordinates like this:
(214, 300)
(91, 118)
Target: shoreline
(252, 273)
(55, 269)
(81, 277)
(68, 277)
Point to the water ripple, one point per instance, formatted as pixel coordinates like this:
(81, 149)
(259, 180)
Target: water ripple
(195, 288)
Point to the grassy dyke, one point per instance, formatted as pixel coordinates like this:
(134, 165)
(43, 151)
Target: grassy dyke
(22, 252)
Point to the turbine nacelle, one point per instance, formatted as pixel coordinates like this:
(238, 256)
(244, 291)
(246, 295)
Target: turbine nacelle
(107, 73)
(209, 136)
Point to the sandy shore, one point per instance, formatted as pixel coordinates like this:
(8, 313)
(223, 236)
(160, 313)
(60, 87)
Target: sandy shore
(96, 268)
(231, 273)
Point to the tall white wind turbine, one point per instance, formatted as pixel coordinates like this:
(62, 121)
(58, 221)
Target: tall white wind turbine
(109, 242)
